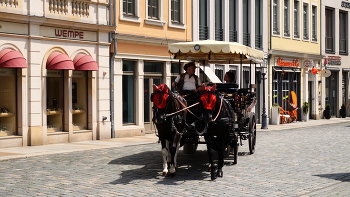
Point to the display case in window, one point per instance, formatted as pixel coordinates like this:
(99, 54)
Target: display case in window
(79, 100)
(55, 98)
(8, 102)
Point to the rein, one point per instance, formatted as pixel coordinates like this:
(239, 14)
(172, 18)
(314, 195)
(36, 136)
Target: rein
(186, 108)
(217, 115)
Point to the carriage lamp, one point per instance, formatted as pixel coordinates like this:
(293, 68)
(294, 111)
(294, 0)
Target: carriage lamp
(197, 47)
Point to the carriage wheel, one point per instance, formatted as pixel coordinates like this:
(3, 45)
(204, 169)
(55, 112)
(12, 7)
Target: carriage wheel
(252, 135)
(234, 145)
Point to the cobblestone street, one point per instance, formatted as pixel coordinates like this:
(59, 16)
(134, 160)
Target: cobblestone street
(311, 161)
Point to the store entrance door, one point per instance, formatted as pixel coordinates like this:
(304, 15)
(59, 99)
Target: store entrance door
(148, 90)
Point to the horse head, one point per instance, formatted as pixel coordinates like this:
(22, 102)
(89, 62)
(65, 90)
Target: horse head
(160, 98)
(208, 100)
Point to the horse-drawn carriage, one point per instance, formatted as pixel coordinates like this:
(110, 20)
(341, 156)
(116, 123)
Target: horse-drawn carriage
(224, 115)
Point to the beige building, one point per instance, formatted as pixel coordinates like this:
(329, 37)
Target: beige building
(144, 30)
(294, 49)
(53, 58)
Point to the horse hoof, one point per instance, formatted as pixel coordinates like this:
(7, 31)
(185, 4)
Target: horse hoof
(220, 174)
(165, 173)
(213, 176)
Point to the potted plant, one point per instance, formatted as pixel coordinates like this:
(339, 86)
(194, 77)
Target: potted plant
(306, 107)
(327, 111)
(275, 114)
(342, 111)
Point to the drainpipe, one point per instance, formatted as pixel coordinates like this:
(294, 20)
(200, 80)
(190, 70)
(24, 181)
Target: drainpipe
(112, 53)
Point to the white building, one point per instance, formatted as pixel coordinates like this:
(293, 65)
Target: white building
(335, 49)
(53, 56)
(241, 21)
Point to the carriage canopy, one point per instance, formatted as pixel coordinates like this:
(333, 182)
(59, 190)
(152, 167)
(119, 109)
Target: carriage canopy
(215, 52)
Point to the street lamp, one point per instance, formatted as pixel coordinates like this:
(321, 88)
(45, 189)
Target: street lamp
(264, 116)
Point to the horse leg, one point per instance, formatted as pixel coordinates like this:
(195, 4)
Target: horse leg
(173, 152)
(210, 151)
(221, 150)
(165, 156)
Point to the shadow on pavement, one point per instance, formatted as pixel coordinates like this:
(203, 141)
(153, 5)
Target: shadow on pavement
(343, 177)
(148, 166)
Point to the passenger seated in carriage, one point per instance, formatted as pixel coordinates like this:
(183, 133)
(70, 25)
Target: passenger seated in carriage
(188, 86)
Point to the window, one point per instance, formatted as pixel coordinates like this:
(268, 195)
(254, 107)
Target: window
(275, 11)
(153, 67)
(128, 88)
(258, 22)
(129, 7)
(329, 30)
(296, 19)
(219, 32)
(343, 31)
(219, 72)
(176, 68)
(306, 21)
(176, 11)
(314, 23)
(130, 11)
(203, 20)
(153, 9)
(246, 23)
(232, 21)
(286, 18)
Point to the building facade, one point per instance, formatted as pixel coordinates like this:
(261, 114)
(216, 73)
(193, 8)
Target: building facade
(144, 29)
(294, 49)
(241, 21)
(53, 55)
(335, 49)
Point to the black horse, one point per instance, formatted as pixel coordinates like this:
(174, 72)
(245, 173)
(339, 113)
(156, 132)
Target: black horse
(215, 124)
(169, 117)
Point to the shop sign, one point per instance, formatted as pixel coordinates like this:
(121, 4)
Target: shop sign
(333, 60)
(14, 28)
(71, 34)
(345, 4)
(54, 73)
(308, 63)
(78, 73)
(287, 62)
(7, 71)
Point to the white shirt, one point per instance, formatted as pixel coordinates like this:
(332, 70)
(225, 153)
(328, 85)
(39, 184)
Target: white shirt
(189, 84)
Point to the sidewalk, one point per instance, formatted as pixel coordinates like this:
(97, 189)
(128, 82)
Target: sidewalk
(30, 151)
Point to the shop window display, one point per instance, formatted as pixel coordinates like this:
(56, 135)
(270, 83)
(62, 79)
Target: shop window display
(79, 100)
(55, 96)
(7, 102)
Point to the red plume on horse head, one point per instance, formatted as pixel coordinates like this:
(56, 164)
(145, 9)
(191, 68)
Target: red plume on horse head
(160, 95)
(208, 98)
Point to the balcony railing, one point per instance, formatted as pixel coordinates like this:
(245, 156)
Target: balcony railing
(258, 41)
(9, 3)
(233, 36)
(203, 32)
(246, 39)
(219, 34)
(79, 8)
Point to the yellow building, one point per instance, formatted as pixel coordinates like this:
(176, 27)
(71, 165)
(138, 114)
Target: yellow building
(144, 29)
(294, 49)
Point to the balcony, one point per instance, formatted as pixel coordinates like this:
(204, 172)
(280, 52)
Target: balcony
(246, 39)
(203, 32)
(233, 36)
